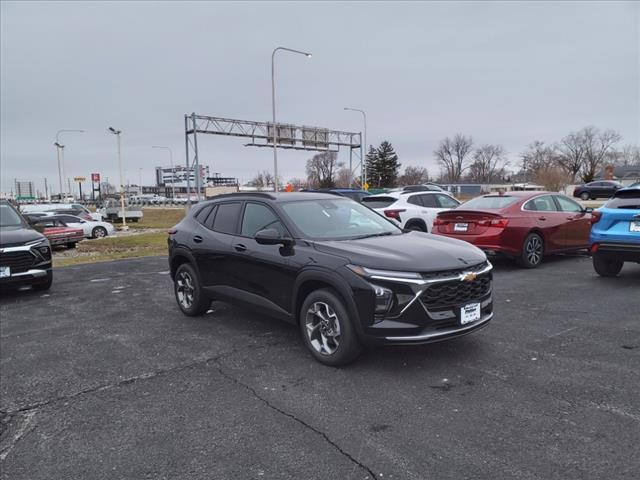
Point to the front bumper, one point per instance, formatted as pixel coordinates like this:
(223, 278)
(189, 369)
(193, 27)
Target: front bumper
(27, 264)
(33, 276)
(425, 318)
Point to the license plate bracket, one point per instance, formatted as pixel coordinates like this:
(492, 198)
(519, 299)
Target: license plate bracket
(634, 226)
(460, 227)
(470, 313)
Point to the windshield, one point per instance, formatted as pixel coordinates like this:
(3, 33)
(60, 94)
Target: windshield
(9, 217)
(490, 202)
(338, 219)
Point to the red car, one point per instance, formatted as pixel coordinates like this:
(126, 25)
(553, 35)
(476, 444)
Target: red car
(521, 225)
(57, 232)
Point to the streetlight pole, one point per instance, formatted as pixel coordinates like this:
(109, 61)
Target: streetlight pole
(173, 173)
(61, 172)
(124, 219)
(363, 174)
(273, 107)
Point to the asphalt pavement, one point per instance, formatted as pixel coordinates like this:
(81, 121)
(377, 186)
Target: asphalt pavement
(104, 378)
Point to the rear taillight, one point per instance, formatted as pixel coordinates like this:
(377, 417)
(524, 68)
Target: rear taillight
(594, 247)
(496, 223)
(438, 222)
(595, 216)
(395, 214)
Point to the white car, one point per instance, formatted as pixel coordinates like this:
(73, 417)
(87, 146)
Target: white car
(60, 207)
(411, 210)
(91, 228)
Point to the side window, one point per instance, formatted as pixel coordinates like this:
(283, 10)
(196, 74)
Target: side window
(429, 201)
(415, 200)
(541, 204)
(568, 205)
(202, 215)
(69, 219)
(258, 217)
(227, 217)
(446, 201)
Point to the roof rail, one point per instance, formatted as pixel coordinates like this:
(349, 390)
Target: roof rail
(244, 194)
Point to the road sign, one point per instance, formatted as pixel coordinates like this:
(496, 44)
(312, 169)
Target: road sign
(366, 186)
(95, 177)
(79, 179)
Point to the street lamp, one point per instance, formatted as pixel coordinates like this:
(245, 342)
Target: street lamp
(60, 148)
(273, 106)
(363, 171)
(173, 173)
(124, 219)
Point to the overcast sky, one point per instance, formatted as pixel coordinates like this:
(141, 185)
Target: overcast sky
(504, 72)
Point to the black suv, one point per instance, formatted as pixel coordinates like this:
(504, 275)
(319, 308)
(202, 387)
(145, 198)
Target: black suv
(25, 255)
(346, 275)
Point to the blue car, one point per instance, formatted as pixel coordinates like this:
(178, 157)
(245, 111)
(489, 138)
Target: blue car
(615, 232)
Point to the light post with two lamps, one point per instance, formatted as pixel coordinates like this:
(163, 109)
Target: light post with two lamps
(60, 152)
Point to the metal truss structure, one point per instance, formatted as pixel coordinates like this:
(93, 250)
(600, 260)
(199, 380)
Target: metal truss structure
(260, 134)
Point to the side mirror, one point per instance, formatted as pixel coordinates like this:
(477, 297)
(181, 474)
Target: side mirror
(270, 236)
(588, 210)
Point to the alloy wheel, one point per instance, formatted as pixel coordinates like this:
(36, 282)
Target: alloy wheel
(99, 232)
(323, 328)
(533, 250)
(185, 289)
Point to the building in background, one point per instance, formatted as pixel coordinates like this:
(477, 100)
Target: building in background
(177, 176)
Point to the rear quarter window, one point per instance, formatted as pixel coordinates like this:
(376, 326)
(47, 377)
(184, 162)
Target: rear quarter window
(378, 202)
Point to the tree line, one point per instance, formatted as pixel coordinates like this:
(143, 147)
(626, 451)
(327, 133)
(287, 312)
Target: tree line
(577, 156)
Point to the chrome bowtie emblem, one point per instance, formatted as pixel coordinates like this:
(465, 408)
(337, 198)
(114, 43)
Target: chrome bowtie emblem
(468, 277)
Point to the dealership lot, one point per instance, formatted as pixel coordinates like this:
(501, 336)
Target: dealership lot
(103, 377)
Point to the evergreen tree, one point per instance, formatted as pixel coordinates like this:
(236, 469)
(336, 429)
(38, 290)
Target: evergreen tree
(382, 166)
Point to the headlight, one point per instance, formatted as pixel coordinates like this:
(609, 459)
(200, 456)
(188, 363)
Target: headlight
(384, 274)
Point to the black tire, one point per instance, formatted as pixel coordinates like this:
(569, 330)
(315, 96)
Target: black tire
(46, 285)
(417, 227)
(607, 266)
(532, 251)
(346, 346)
(189, 294)
(585, 196)
(99, 232)
(71, 246)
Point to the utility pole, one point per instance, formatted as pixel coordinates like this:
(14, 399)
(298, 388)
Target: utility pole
(123, 211)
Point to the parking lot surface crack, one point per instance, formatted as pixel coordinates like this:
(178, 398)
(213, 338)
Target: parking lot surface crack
(296, 419)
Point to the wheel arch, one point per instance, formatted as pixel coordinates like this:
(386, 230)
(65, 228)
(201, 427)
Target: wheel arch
(179, 258)
(538, 231)
(417, 221)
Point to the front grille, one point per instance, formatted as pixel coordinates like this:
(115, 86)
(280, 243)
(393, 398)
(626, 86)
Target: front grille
(454, 272)
(455, 292)
(17, 261)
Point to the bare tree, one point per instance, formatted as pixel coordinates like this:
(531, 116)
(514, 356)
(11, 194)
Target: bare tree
(597, 146)
(538, 157)
(343, 177)
(572, 154)
(413, 176)
(298, 183)
(553, 178)
(489, 164)
(262, 180)
(627, 156)
(452, 156)
(321, 169)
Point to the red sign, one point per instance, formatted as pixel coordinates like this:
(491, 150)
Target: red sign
(95, 177)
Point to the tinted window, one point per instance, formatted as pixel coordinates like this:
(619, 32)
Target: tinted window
(69, 219)
(627, 199)
(541, 204)
(202, 215)
(446, 201)
(258, 217)
(415, 200)
(567, 205)
(227, 217)
(429, 201)
(378, 202)
(489, 202)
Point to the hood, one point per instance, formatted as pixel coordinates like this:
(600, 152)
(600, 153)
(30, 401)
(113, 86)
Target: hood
(15, 236)
(411, 252)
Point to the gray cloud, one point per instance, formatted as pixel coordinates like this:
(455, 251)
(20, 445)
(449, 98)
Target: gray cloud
(507, 73)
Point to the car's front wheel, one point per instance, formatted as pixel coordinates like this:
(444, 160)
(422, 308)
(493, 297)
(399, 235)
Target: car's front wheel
(99, 232)
(327, 330)
(607, 267)
(46, 285)
(189, 294)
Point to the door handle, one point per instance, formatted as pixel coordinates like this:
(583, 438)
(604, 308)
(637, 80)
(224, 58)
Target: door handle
(239, 247)
(197, 239)
(542, 218)
(570, 218)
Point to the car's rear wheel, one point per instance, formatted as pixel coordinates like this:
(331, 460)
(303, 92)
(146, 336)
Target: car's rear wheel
(327, 330)
(585, 196)
(99, 232)
(607, 267)
(71, 245)
(416, 226)
(189, 294)
(46, 285)
(532, 251)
